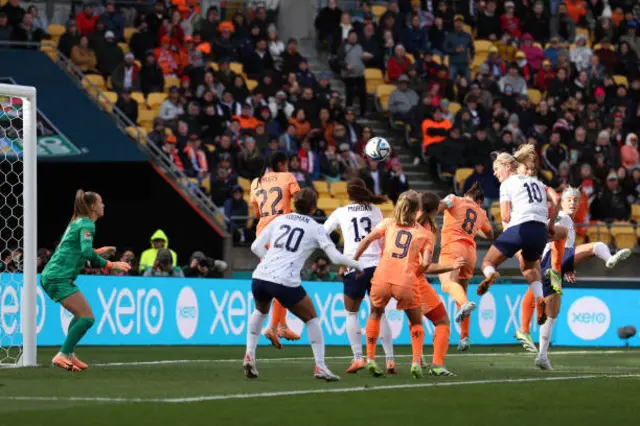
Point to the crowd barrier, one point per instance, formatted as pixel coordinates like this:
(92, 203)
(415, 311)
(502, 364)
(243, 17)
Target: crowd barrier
(171, 311)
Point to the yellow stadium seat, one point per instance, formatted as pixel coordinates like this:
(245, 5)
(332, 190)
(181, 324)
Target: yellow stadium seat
(579, 240)
(468, 29)
(96, 79)
(635, 212)
(454, 107)
(237, 67)
(56, 31)
(251, 84)
(156, 99)
(621, 80)
(378, 10)
(213, 66)
(322, 188)
(599, 232)
(139, 98)
(538, 45)
(534, 96)
(171, 81)
(145, 117)
(206, 185)
(412, 58)
(328, 204)
(547, 174)
(245, 184)
(624, 234)
(482, 46)
(495, 212)
(112, 96)
(124, 47)
(129, 32)
(386, 208)
(460, 177)
(135, 132)
(584, 32)
(437, 59)
(382, 96)
(339, 189)
(374, 78)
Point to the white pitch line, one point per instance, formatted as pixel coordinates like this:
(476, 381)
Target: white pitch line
(204, 398)
(276, 360)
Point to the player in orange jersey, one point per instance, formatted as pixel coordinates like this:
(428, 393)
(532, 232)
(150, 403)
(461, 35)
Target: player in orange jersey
(464, 218)
(405, 255)
(432, 307)
(271, 195)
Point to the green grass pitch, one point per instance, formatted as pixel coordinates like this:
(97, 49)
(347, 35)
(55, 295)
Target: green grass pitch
(205, 386)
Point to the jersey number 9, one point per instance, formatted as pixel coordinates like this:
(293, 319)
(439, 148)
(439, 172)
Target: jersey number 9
(403, 241)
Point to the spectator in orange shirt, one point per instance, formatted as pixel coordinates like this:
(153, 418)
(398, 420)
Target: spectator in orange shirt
(302, 125)
(576, 9)
(86, 20)
(168, 58)
(246, 120)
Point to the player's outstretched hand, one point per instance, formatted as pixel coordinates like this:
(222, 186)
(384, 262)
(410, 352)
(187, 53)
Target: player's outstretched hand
(460, 262)
(106, 251)
(121, 266)
(551, 231)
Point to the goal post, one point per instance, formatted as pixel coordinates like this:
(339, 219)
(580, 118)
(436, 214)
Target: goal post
(18, 232)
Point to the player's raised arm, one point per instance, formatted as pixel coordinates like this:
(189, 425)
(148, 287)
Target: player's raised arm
(377, 233)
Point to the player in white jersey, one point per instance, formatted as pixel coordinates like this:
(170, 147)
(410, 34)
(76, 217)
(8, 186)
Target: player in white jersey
(356, 221)
(292, 238)
(523, 207)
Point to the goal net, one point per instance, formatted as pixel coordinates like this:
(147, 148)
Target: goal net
(18, 281)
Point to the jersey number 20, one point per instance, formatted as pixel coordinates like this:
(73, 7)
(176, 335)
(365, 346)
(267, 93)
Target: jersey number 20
(263, 193)
(293, 236)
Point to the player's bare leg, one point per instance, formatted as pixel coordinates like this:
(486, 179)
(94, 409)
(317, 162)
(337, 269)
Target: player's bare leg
(491, 261)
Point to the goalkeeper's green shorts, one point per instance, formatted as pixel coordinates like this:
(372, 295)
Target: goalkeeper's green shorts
(59, 290)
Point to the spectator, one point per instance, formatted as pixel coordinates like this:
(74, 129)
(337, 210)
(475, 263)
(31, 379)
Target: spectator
(554, 153)
(5, 28)
(210, 84)
(151, 77)
(38, 21)
(171, 150)
(327, 22)
(239, 90)
(304, 76)
(26, 32)
(170, 58)
(562, 25)
(562, 179)
(162, 266)
(460, 48)
(524, 69)
(158, 134)
(607, 56)
(416, 39)
(260, 61)
(276, 46)
(209, 26)
(126, 75)
(375, 177)
(533, 53)
(497, 67)
(142, 41)
(554, 51)
(86, 20)
(341, 32)
(434, 131)
(110, 56)
(288, 141)
(309, 160)
(545, 76)
(398, 64)
(631, 37)
(514, 81)
(330, 165)
(201, 266)
(634, 196)
(127, 104)
(223, 180)
(96, 38)
(580, 54)
(537, 23)
(437, 35)
(611, 203)
(402, 101)
(159, 241)
(302, 125)
(627, 60)
(398, 181)
(509, 22)
(488, 182)
(350, 58)
(629, 152)
(291, 58)
(250, 160)
(302, 177)
(172, 107)
(196, 164)
(223, 47)
(319, 271)
(559, 88)
(14, 12)
(426, 17)
(373, 55)
(445, 14)
(70, 38)
(246, 120)
(489, 27)
(84, 57)
(113, 21)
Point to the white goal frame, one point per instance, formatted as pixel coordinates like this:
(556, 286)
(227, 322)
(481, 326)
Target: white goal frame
(28, 303)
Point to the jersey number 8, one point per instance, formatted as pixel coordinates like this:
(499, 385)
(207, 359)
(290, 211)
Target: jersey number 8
(293, 236)
(470, 217)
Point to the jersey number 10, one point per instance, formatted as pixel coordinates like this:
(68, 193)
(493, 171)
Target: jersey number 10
(534, 192)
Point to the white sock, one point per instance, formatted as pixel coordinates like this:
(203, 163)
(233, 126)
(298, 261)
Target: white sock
(602, 251)
(354, 333)
(488, 270)
(386, 337)
(316, 339)
(256, 321)
(545, 335)
(536, 288)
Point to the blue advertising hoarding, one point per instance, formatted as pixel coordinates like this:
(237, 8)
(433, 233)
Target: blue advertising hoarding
(171, 311)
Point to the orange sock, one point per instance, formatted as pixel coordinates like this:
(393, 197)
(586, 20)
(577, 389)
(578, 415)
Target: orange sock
(440, 344)
(417, 342)
(373, 331)
(456, 291)
(528, 308)
(277, 313)
(464, 325)
(283, 317)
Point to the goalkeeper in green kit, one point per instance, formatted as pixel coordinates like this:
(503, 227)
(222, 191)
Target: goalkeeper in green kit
(57, 279)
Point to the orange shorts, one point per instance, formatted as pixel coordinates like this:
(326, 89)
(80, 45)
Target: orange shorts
(429, 298)
(381, 294)
(451, 252)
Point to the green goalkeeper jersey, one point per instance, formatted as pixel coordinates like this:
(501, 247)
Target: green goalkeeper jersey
(75, 248)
